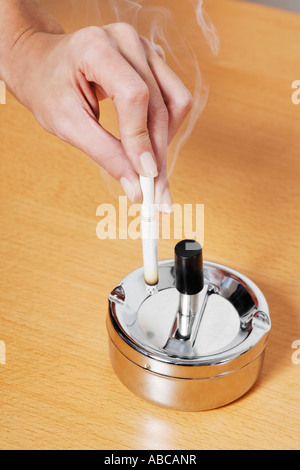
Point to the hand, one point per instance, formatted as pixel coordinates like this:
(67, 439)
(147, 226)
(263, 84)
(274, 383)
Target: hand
(62, 77)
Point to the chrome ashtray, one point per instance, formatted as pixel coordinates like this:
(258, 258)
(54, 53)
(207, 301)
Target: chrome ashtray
(198, 343)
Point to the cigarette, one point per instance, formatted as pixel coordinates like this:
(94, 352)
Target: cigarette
(149, 234)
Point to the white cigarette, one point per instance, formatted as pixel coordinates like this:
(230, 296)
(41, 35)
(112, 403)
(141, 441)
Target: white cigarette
(149, 234)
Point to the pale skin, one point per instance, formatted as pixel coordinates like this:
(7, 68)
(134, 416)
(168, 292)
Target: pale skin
(62, 78)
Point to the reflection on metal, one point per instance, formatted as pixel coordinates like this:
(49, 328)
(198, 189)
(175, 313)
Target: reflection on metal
(188, 354)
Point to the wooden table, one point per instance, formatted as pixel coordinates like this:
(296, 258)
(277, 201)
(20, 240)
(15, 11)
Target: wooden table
(242, 161)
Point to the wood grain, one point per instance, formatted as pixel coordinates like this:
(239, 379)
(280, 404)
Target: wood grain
(242, 161)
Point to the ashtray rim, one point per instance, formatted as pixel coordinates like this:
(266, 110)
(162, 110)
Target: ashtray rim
(223, 362)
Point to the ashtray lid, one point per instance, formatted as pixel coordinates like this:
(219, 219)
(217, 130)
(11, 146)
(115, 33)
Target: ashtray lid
(231, 331)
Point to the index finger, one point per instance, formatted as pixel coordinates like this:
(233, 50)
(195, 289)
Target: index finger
(104, 65)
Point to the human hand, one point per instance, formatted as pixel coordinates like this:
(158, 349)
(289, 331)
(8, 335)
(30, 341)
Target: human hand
(62, 78)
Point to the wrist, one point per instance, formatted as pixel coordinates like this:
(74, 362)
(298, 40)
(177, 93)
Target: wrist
(20, 22)
(26, 66)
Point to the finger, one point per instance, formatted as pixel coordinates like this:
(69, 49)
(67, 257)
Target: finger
(177, 97)
(158, 118)
(159, 50)
(104, 65)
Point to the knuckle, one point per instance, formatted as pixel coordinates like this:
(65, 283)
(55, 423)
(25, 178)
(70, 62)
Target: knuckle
(89, 35)
(138, 135)
(125, 29)
(87, 43)
(182, 104)
(136, 92)
(124, 32)
(185, 104)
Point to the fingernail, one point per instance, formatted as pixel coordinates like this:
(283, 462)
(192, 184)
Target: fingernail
(128, 188)
(148, 165)
(166, 202)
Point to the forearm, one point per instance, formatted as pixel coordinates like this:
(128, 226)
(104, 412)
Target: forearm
(19, 19)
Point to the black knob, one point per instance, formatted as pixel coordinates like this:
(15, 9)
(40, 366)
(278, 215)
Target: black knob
(189, 267)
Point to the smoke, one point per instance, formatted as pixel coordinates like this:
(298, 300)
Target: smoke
(173, 27)
(207, 27)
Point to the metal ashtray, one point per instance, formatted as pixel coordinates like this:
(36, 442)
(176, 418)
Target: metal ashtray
(198, 343)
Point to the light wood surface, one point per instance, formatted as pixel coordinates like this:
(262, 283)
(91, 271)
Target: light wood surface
(57, 388)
